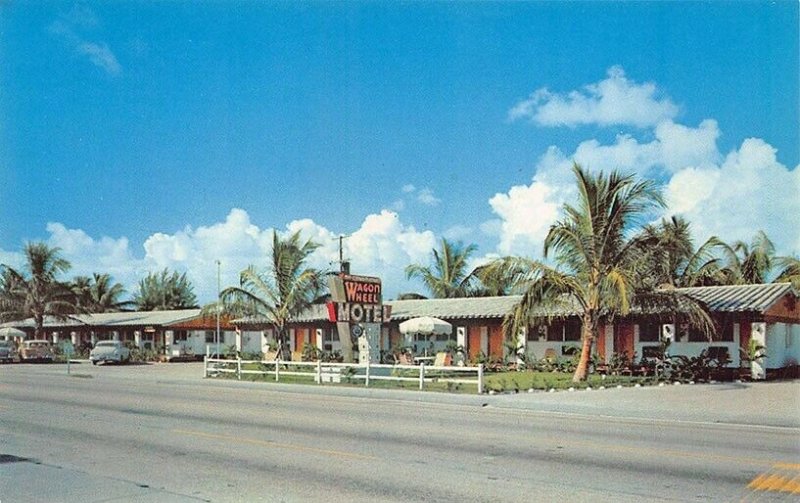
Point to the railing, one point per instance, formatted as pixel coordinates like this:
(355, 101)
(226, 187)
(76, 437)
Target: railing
(334, 372)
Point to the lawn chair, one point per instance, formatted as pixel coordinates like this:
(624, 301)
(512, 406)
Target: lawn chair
(405, 359)
(443, 359)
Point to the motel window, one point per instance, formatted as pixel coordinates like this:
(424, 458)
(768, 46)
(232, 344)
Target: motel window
(535, 332)
(327, 339)
(180, 335)
(723, 332)
(696, 335)
(210, 336)
(555, 333)
(649, 332)
(572, 331)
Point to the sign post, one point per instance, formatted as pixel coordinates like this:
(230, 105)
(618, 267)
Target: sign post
(358, 311)
(68, 350)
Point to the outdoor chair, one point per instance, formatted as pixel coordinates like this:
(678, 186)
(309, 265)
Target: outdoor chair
(405, 359)
(442, 359)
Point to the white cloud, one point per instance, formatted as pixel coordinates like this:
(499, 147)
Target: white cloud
(526, 213)
(613, 101)
(458, 232)
(70, 27)
(101, 56)
(426, 197)
(88, 255)
(382, 246)
(729, 196)
(749, 191)
(408, 188)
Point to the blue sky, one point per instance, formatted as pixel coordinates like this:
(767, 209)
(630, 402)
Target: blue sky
(138, 136)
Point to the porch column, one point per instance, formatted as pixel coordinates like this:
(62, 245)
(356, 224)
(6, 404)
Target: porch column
(758, 333)
(522, 344)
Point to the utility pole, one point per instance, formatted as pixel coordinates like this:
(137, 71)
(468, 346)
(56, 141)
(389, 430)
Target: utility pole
(344, 265)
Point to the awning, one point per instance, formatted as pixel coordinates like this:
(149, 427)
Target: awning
(7, 332)
(426, 325)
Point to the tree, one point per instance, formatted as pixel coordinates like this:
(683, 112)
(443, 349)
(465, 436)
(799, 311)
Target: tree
(35, 292)
(669, 258)
(165, 291)
(282, 291)
(447, 275)
(98, 294)
(789, 270)
(595, 272)
(753, 262)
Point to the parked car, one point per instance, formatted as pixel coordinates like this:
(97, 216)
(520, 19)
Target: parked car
(35, 351)
(8, 351)
(110, 351)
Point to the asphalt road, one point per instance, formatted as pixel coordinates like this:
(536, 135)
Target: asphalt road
(162, 433)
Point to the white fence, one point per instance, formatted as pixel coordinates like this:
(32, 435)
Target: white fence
(337, 372)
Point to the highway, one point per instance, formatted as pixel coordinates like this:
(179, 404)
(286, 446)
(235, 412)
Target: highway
(140, 433)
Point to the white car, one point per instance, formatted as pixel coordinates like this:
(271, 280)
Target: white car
(110, 351)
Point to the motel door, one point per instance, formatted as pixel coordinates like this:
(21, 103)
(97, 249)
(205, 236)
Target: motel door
(623, 339)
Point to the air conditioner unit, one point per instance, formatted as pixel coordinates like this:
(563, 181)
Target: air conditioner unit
(668, 332)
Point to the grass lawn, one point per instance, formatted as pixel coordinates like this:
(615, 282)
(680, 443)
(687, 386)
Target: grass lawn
(525, 380)
(437, 381)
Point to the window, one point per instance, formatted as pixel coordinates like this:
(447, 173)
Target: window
(649, 332)
(210, 336)
(572, 331)
(723, 331)
(555, 333)
(536, 332)
(179, 335)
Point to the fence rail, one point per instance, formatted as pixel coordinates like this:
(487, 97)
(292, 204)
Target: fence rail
(334, 372)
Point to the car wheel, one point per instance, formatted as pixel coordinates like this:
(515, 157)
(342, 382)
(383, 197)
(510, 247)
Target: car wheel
(94, 362)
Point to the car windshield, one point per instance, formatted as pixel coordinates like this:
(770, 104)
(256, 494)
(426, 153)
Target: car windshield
(107, 344)
(5, 344)
(38, 344)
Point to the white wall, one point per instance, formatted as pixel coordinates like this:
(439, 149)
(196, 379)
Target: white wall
(692, 349)
(783, 345)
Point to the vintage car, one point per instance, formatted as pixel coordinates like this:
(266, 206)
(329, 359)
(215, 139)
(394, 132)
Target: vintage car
(35, 351)
(110, 351)
(8, 351)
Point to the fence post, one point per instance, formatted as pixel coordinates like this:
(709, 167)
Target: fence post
(239, 367)
(422, 376)
(480, 378)
(319, 371)
(205, 367)
(277, 364)
(366, 381)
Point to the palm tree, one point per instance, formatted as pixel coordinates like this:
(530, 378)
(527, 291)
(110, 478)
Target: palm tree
(281, 292)
(98, 295)
(753, 262)
(447, 275)
(668, 256)
(789, 270)
(596, 262)
(35, 292)
(165, 291)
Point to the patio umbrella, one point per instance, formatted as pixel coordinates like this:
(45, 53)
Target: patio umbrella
(426, 325)
(8, 332)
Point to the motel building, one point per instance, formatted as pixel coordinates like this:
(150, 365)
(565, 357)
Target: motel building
(178, 334)
(768, 313)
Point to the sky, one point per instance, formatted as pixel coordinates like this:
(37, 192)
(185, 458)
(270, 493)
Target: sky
(137, 136)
